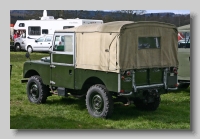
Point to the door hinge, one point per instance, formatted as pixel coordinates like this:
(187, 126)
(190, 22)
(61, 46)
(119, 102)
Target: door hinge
(52, 82)
(52, 66)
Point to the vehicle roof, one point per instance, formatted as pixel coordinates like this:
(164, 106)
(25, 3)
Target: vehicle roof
(185, 28)
(115, 26)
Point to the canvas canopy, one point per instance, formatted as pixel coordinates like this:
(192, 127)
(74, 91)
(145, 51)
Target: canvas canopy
(115, 46)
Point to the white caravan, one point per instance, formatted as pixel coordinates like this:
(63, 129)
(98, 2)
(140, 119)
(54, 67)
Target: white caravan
(34, 29)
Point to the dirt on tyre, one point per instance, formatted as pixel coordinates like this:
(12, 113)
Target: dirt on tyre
(37, 92)
(99, 101)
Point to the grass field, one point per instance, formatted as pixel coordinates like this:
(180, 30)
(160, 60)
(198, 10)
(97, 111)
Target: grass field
(71, 113)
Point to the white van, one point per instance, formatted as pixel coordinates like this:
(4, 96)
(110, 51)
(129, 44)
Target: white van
(47, 25)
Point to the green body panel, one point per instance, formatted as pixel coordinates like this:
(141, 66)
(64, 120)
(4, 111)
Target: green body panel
(42, 68)
(63, 58)
(108, 78)
(156, 76)
(184, 64)
(148, 76)
(63, 76)
(141, 77)
(126, 84)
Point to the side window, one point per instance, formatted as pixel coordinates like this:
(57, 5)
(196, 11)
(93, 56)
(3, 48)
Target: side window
(41, 39)
(48, 39)
(68, 43)
(148, 42)
(34, 30)
(21, 25)
(65, 27)
(45, 31)
(64, 43)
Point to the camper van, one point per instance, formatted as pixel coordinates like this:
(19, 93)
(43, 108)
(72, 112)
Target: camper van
(34, 29)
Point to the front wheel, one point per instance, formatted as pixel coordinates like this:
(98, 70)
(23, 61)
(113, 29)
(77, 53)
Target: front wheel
(99, 101)
(37, 92)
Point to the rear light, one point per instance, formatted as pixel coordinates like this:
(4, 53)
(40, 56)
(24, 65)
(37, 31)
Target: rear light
(59, 43)
(122, 77)
(128, 73)
(121, 91)
(175, 71)
(176, 85)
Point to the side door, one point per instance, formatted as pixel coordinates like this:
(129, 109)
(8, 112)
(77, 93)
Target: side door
(63, 60)
(37, 45)
(47, 43)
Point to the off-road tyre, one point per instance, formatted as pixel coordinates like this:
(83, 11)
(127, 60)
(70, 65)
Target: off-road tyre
(37, 92)
(17, 47)
(183, 85)
(99, 101)
(141, 105)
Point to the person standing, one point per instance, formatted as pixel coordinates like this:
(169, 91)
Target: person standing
(15, 35)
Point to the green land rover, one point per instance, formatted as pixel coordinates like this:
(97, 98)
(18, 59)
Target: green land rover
(121, 61)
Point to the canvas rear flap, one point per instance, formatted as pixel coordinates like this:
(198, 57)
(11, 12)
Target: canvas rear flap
(111, 49)
(131, 57)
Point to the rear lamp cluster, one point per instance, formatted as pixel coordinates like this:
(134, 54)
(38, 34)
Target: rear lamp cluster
(125, 73)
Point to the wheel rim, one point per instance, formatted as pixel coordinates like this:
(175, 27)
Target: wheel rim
(17, 47)
(34, 92)
(96, 104)
(29, 49)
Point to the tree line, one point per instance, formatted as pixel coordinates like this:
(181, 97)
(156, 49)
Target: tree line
(106, 16)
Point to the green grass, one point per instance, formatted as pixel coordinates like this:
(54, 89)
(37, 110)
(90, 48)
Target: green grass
(71, 113)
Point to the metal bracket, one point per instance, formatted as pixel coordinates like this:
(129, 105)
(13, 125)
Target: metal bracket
(52, 66)
(52, 82)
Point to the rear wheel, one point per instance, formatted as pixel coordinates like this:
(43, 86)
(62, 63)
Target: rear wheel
(99, 101)
(37, 92)
(17, 47)
(150, 101)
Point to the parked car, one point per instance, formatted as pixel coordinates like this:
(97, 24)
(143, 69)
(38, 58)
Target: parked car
(41, 44)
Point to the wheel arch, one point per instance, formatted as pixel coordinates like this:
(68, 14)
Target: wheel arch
(90, 82)
(30, 73)
(17, 43)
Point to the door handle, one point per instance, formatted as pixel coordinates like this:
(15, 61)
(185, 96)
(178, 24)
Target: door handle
(70, 72)
(48, 43)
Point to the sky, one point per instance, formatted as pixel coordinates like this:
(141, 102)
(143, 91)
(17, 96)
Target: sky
(174, 11)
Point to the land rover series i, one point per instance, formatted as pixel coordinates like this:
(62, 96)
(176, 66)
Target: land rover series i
(122, 61)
